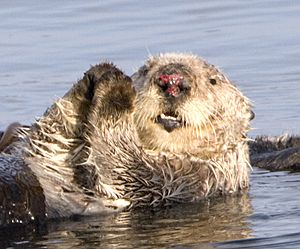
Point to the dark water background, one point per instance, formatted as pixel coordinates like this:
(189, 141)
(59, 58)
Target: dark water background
(45, 46)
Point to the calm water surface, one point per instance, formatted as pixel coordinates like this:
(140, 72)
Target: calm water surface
(46, 46)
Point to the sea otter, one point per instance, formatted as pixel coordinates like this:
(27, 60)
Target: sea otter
(176, 131)
(276, 153)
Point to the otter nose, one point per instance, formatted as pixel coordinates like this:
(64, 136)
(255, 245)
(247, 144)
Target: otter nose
(172, 84)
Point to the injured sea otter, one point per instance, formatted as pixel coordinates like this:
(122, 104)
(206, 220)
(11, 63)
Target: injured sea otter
(174, 132)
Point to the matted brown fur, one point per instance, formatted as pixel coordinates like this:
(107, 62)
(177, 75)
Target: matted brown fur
(175, 132)
(37, 179)
(130, 155)
(276, 153)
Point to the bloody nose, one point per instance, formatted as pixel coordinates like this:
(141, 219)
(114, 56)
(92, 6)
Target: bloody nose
(172, 84)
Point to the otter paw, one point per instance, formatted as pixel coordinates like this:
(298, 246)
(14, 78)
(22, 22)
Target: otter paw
(114, 93)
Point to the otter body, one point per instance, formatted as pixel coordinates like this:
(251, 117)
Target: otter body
(174, 132)
(276, 153)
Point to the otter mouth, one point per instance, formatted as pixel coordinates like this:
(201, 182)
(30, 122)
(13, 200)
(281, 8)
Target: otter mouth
(169, 121)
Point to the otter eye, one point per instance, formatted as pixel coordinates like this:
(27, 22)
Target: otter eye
(213, 81)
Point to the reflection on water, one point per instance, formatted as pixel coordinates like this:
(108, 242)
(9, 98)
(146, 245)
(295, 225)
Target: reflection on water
(188, 225)
(47, 46)
(268, 217)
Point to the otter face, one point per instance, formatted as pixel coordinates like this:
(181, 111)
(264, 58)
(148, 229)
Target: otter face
(173, 87)
(186, 105)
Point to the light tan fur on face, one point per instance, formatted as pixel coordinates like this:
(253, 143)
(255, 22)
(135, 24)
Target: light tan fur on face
(216, 116)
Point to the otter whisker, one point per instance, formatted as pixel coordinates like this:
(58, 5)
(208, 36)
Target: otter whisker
(207, 130)
(210, 123)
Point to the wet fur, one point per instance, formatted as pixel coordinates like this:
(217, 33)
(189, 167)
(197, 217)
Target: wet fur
(131, 157)
(276, 153)
(97, 148)
(44, 152)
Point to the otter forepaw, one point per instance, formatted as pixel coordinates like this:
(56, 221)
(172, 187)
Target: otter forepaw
(114, 93)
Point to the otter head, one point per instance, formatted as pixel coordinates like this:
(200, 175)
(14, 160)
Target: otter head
(186, 105)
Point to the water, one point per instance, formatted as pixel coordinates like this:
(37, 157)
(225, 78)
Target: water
(46, 46)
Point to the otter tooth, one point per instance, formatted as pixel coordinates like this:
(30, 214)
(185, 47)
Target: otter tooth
(167, 117)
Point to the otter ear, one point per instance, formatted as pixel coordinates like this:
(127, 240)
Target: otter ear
(252, 115)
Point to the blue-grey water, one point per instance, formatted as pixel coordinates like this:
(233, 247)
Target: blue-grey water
(45, 46)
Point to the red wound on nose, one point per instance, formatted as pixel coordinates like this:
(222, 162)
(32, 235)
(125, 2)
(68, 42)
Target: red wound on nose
(173, 90)
(171, 83)
(171, 79)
